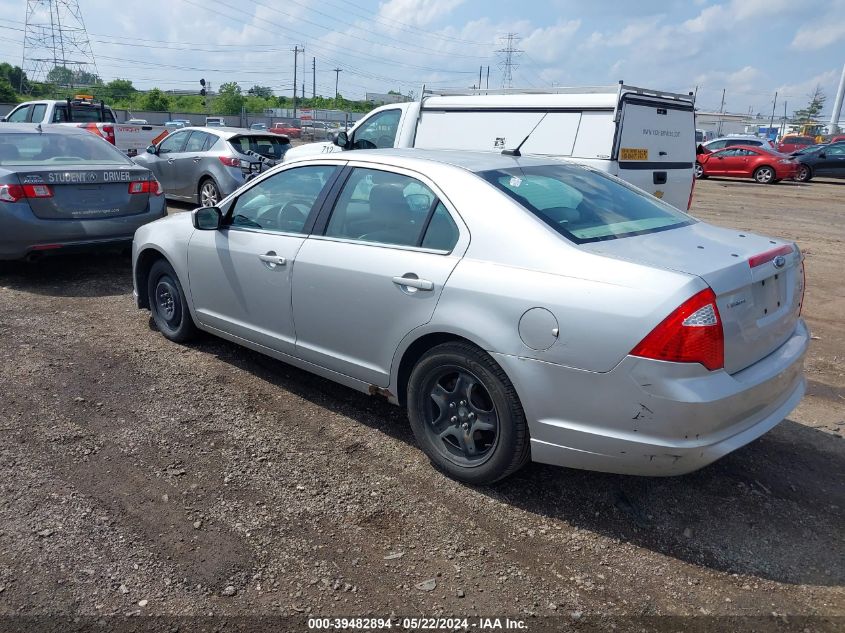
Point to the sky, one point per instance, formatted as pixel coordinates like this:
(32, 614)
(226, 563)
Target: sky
(749, 48)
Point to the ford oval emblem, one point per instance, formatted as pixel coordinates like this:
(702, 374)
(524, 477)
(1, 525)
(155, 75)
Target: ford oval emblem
(780, 261)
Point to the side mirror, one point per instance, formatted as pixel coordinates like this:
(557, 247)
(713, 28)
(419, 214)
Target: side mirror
(152, 149)
(206, 218)
(341, 140)
(822, 155)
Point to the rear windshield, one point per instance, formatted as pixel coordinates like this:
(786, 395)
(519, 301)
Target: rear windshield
(584, 205)
(269, 146)
(83, 114)
(57, 149)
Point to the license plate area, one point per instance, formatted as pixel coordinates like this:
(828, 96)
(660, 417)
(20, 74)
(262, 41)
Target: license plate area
(770, 295)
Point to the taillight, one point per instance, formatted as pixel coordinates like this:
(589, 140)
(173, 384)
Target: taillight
(108, 134)
(146, 186)
(691, 334)
(691, 191)
(13, 193)
(230, 162)
(803, 287)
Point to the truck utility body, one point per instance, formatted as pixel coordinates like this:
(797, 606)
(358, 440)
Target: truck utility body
(96, 117)
(646, 137)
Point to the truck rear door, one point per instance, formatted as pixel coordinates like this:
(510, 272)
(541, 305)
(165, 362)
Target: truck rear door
(655, 147)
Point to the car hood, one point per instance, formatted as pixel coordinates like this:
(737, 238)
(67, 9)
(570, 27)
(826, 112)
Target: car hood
(310, 149)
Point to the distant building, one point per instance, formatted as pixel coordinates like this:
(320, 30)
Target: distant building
(377, 98)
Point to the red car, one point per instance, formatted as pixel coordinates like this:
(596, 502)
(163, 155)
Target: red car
(291, 128)
(744, 161)
(789, 144)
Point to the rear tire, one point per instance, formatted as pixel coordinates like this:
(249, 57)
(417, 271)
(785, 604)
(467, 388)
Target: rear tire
(209, 193)
(765, 175)
(805, 174)
(466, 415)
(168, 305)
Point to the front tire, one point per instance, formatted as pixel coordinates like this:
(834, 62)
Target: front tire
(765, 175)
(168, 305)
(698, 171)
(805, 174)
(466, 415)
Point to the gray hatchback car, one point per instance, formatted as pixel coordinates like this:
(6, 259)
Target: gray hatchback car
(63, 188)
(205, 164)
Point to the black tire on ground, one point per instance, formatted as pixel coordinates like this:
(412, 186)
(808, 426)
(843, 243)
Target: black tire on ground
(209, 193)
(765, 175)
(805, 174)
(466, 415)
(168, 305)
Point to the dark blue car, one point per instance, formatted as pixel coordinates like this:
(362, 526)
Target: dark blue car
(823, 160)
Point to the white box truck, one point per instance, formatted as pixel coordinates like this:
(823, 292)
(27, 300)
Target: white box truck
(646, 137)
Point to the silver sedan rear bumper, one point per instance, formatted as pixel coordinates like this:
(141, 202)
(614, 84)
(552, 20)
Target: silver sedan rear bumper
(654, 418)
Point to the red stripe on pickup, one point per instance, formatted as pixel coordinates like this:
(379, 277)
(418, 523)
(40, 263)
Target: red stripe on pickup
(768, 256)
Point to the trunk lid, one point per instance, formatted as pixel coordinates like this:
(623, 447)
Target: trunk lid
(758, 281)
(86, 193)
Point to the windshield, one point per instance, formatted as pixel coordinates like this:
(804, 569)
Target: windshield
(585, 205)
(57, 149)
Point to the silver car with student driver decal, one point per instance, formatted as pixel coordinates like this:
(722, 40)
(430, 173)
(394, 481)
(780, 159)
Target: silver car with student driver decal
(519, 308)
(65, 189)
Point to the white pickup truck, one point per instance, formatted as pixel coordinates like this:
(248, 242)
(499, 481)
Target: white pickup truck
(646, 137)
(96, 117)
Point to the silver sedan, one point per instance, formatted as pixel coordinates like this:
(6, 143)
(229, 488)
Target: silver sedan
(519, 308)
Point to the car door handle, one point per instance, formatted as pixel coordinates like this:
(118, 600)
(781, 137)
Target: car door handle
(171, 160)
(272, 258)
(196, 159)
(410, 282)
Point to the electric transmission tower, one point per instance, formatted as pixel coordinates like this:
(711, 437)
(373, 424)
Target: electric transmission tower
(509, 54)
(56, 46)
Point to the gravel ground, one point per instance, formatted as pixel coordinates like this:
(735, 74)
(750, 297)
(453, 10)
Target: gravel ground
(139, 477)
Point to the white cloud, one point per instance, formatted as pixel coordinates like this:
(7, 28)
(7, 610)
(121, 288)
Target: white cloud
(827, 30)
(418, 12)
(548, 44)
(725, 16)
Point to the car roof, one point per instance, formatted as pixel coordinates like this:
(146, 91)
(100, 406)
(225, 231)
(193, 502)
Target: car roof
(29, 128)
(739, 137)
(473, 161)
(223, 131)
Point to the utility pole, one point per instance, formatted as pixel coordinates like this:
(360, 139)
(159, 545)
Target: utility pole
(721, 111)
(480, 68)
(337, 72)
(314, 77)
(837, 104)
(772, 120)
(488, 78)
(296, 51)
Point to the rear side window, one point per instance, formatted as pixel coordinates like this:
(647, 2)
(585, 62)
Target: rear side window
(442, 232)
(38, 111)
(382, 207)
(584, 205)
(58, 149)
(196, 142)
(272, 147)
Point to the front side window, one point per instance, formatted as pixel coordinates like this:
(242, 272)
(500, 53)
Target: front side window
(584, 205)
(21, 115)
(379, 131)
(383, 207)
(838, 150)
(173, 143)
(282, 202)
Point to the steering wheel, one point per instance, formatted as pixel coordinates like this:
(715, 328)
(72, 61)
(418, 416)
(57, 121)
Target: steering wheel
(364, 143)
(290, 212)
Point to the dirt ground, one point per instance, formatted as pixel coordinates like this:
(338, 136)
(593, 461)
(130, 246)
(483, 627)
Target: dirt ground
(139, 477)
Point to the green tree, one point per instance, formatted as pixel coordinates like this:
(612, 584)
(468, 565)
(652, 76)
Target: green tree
(118, 90)
(60, 75)
(7, 92)
(229, 100)
(154, 100)
(14, 75)
(811, 113)
(261, 91)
